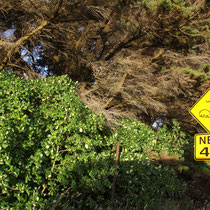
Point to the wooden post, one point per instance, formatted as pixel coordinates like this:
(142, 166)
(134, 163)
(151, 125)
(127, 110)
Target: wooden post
(115, 172)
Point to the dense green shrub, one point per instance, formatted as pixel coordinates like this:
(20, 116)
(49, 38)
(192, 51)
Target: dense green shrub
(138, 139)
(54, 151)
(140, 181)
(173, 141)
(49, 142)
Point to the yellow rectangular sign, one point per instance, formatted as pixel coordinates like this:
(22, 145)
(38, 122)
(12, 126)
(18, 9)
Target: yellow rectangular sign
(202, 146)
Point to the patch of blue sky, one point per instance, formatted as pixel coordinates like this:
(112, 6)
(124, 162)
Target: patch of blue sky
(26, 57)
(157, 124)
(9, 34)
(36, 56)
(80, 29)
(93, 45)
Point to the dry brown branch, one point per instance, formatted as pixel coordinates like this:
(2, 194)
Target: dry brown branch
(146, 91)
(26, 37)
(119, 86)
(21, 42)
(125, 57)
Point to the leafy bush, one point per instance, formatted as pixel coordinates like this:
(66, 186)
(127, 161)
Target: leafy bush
(172, 141)
(138, 139)
(55, 152)
(140, 181)
(49, 143)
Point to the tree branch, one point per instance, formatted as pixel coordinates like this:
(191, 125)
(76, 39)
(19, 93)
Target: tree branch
(20, 42)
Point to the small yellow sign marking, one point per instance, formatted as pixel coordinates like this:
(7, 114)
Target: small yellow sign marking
(201, 110)
(202, 146)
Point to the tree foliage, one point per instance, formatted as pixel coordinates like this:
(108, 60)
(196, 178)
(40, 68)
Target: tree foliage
(55, 152)
(50, 143)
(134, 46)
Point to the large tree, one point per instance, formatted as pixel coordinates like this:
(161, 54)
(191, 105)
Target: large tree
(134, 59)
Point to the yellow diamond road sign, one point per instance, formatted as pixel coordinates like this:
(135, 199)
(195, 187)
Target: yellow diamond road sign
(202, 146)
(201, 110)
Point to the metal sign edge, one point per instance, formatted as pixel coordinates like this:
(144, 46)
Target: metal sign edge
(197, 134)
(194, 115)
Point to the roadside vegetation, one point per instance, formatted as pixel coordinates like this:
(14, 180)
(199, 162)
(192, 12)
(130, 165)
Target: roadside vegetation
(76, 77)
(56, 153)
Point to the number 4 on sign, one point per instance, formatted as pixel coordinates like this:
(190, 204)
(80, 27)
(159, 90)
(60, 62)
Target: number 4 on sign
(205, 151)
(202, 146)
